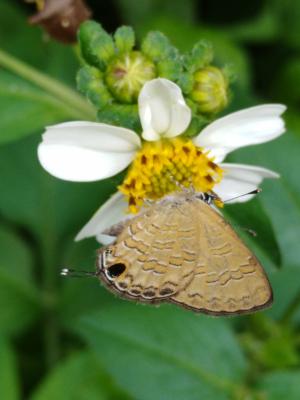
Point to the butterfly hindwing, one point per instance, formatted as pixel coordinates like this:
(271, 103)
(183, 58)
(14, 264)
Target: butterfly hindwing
(232, 281)
(158, 251)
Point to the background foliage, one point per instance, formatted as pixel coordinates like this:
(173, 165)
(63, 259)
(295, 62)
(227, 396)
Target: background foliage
(71, 339)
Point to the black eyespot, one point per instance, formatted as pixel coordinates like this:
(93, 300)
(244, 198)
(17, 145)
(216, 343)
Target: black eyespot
(116, 270)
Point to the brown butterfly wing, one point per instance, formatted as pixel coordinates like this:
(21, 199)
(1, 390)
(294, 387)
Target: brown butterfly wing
(159, 251)
(228, 279)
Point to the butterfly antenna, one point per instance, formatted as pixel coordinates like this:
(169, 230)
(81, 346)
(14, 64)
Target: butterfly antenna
(76, 273)
(256, 191)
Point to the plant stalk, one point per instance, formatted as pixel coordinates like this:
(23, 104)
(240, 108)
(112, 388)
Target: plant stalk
(50, 85)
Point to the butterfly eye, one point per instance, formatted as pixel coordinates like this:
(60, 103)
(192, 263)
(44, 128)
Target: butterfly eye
(116, 270)
(108, 251)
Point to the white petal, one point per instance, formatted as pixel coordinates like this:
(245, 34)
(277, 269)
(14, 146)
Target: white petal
(162, 109)
(110, 213)
(105, 239)
(253, 125)
(86, 151)
(240, 179)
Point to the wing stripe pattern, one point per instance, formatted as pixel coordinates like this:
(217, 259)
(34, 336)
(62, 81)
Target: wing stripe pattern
(183, 251)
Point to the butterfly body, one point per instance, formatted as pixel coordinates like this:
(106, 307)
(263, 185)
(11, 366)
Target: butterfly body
(180, 250)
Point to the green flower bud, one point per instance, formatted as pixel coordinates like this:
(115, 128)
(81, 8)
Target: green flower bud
(210, 90)
(125, 75)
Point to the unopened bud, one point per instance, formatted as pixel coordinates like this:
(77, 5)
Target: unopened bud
(210, 90)
(126, 75)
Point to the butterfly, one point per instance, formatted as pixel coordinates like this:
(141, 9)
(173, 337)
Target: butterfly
(181, 250)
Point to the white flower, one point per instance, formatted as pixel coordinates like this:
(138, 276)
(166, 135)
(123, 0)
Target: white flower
(89, 151)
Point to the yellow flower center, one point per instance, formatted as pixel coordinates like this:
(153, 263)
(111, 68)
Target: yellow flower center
(160, 166)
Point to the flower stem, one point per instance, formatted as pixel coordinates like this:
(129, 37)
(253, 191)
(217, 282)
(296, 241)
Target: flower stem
(69, 96)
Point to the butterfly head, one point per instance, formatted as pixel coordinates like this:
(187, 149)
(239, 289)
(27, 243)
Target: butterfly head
(109, 265)
(210, 198)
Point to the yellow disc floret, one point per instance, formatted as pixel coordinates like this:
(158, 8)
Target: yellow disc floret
(159, 167)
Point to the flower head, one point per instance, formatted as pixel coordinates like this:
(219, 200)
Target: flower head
(164, 157)
(115, 68)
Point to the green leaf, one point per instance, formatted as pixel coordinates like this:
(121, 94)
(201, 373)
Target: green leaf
(281, 385)
(25, 109)
(79, 377)
(280, 200)
(286, 287)
(262, 28)
(48, 207)
(288, 14)
(166, 353)
(287, 82)
(253, 216)
(9, 382)
(281, 194)
(19, 299)
(28, 43)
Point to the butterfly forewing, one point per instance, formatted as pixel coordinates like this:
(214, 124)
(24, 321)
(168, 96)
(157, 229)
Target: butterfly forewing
(182, 251)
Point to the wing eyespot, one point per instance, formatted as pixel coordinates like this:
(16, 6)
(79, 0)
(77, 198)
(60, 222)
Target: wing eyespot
(115, 270)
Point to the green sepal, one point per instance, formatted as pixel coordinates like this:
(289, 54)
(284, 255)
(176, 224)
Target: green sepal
(198, 122)
(200, 56)
(90, 83)
(186, 82)
(157, 47)
(97, 46)
(230, 73)
(169, 69)
(124, 39)
(87, 31)
(193, 106)
(103, 47)
(121, 115)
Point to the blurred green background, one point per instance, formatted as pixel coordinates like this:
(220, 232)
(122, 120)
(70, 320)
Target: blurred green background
(71, 339)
